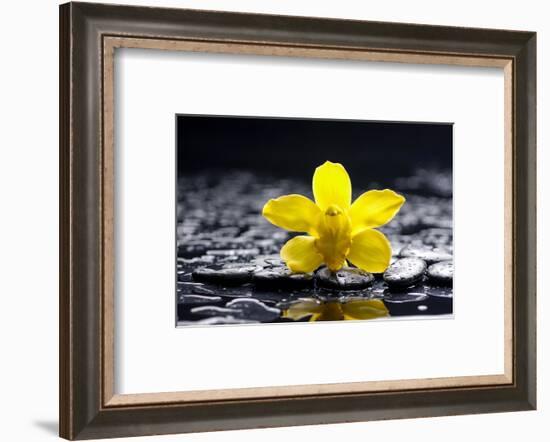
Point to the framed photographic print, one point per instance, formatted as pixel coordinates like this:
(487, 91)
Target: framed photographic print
(270, 221)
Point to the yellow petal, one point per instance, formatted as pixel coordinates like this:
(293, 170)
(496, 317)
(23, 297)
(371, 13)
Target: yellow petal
(332, 186)
(364, 309)
(304, 307)
(292, 212)
(374, 209)
(332, 311)
(301, 255)
(370, 251)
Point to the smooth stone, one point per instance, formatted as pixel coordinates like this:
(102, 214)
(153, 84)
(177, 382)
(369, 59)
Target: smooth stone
(193, 249)
(273, 260)
(282, 277)
(253, 309)
(347, 278)
(205, 259)
(225, 232)
(429, 254)
(408, 223)
(199, 299)
(233, 252)
(265, 244)
(441, 272)
(398, 242)
(225, 244)
(438, 222)
(229, 276)
(436, 237)
(239, 264)
(405, 272)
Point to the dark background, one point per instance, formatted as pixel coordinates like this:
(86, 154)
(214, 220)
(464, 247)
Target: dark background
(369, 150)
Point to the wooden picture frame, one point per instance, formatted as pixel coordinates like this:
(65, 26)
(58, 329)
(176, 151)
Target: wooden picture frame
(89, 34)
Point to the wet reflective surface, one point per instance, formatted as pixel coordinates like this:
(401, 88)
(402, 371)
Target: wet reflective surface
(229, 270)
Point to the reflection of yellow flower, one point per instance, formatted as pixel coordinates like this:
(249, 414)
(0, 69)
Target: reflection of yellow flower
(338, 229)
(336, 311)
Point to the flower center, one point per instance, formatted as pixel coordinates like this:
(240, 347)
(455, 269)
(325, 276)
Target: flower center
(333, 210)
(334, 237)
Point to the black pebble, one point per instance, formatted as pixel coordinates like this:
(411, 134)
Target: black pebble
(441, 272)
(225, 276)
(426, 253)
(347, 278)
(282, 277)
(405, 272)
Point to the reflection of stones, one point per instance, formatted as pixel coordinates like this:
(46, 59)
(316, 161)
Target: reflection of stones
(201, 290)
(346, 278)
(225, 276)
(212, 310)
(405, 272)
(405, 302)
(195, 287)
(441, 298)
(219, 320)
(427, 253)
(282, 277)
(254, 309)
(246, 308)
(188, 299)
(441, 272)
(404, 297)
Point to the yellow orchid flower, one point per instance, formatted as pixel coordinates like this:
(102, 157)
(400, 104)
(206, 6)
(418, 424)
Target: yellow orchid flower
(338, 230)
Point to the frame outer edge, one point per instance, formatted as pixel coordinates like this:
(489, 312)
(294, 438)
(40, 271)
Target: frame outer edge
(526, 220)
(65, 393)
(80, 350)
(81, 413)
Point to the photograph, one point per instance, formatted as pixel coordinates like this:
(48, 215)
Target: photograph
(283, 220)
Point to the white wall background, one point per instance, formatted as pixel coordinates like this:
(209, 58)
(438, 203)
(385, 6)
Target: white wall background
(29, 217)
